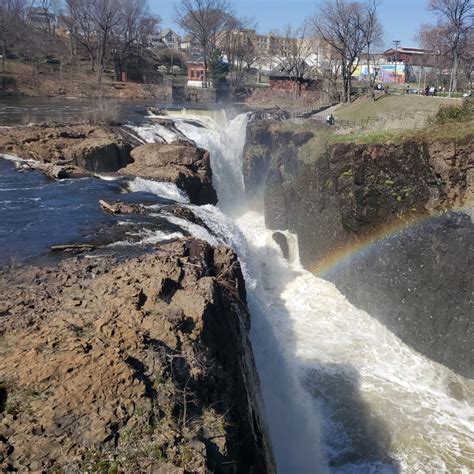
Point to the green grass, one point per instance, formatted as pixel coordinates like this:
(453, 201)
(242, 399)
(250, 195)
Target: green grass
(317, 146)
(391, 104)
(454, 132)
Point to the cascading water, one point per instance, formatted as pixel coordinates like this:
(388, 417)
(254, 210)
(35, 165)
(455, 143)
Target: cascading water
(342, 394)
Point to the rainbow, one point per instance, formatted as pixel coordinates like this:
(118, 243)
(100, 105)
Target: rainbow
(342, 255)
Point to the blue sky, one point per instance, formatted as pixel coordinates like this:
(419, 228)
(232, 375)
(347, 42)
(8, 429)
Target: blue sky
(400, 18)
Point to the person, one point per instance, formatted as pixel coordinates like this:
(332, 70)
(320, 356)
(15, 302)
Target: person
(408, 88)
(330, 120)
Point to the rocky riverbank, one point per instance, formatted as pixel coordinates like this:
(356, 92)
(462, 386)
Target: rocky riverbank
(75, 150)
(140, 365)
(393, 197)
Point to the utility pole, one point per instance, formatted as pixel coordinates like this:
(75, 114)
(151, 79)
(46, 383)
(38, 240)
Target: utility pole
(397, 44)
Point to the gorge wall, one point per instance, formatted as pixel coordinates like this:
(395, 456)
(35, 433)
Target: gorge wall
(378, 220)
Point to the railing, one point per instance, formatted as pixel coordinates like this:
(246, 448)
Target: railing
(364, 121)
(383, 117)
(309, 111)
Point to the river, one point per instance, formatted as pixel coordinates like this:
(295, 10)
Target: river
(342, 394)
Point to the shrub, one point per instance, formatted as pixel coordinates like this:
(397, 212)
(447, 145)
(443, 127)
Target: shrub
(455, 113)
(106, 112)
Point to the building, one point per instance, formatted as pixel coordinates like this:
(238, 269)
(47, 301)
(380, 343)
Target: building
(42, 19)
(414, 62)
(155, 41)
(407, 56)
(190, 46)
(196, 74)
(287, 78)
(171, 39)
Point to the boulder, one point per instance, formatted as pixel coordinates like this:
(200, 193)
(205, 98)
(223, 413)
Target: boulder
(90, 148)
(99, 154)
(187, 166)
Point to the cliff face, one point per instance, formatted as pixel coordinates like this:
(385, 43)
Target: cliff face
(342, 197)
(141, 365)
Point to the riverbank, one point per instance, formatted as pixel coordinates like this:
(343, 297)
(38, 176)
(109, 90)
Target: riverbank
(44, 80)
(118, 365)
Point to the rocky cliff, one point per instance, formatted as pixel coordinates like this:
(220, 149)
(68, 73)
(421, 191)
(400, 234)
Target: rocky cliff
(139, 365)
(373, 218)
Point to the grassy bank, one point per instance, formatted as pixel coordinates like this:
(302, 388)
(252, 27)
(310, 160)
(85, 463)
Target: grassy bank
(453, 123)
(392, 104)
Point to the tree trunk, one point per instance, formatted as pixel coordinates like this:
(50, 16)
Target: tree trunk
(344, 84)
(101, 59)
(99, 74)
(455, 72)
(4, 57)
(371, 79)
(349, 85)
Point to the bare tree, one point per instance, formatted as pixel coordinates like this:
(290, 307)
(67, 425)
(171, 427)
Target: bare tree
(456, 18)
(107, 19)
(135, 25)
(204, 21)
(13, 25)
(238, 43)
(48, 8)
(81, 25)
(292, 48)
(467, 59)
(434, 39)
(346, 26)
(329, 73)
(374, 34)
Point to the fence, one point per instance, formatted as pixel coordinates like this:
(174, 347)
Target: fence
(343, 123)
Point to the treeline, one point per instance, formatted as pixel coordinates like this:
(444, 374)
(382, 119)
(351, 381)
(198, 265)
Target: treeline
(105, 32)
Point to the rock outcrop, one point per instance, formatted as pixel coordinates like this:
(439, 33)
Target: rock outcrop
(342, 197)
(67, 151)
(136, 366)
(187, 166)
(87, 147)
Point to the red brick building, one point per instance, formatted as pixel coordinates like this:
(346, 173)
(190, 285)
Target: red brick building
(196, 74)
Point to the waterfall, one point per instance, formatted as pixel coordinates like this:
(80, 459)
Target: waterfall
(342, 394)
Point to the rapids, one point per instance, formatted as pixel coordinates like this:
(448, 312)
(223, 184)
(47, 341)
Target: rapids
(342, 394)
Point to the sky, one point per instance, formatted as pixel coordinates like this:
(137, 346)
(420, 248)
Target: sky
(400, 18)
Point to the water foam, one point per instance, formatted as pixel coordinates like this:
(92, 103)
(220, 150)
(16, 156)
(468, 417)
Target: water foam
(153, 133)
(165, 190)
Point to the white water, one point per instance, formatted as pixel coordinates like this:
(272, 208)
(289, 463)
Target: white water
(342, 394)
(165, 190)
